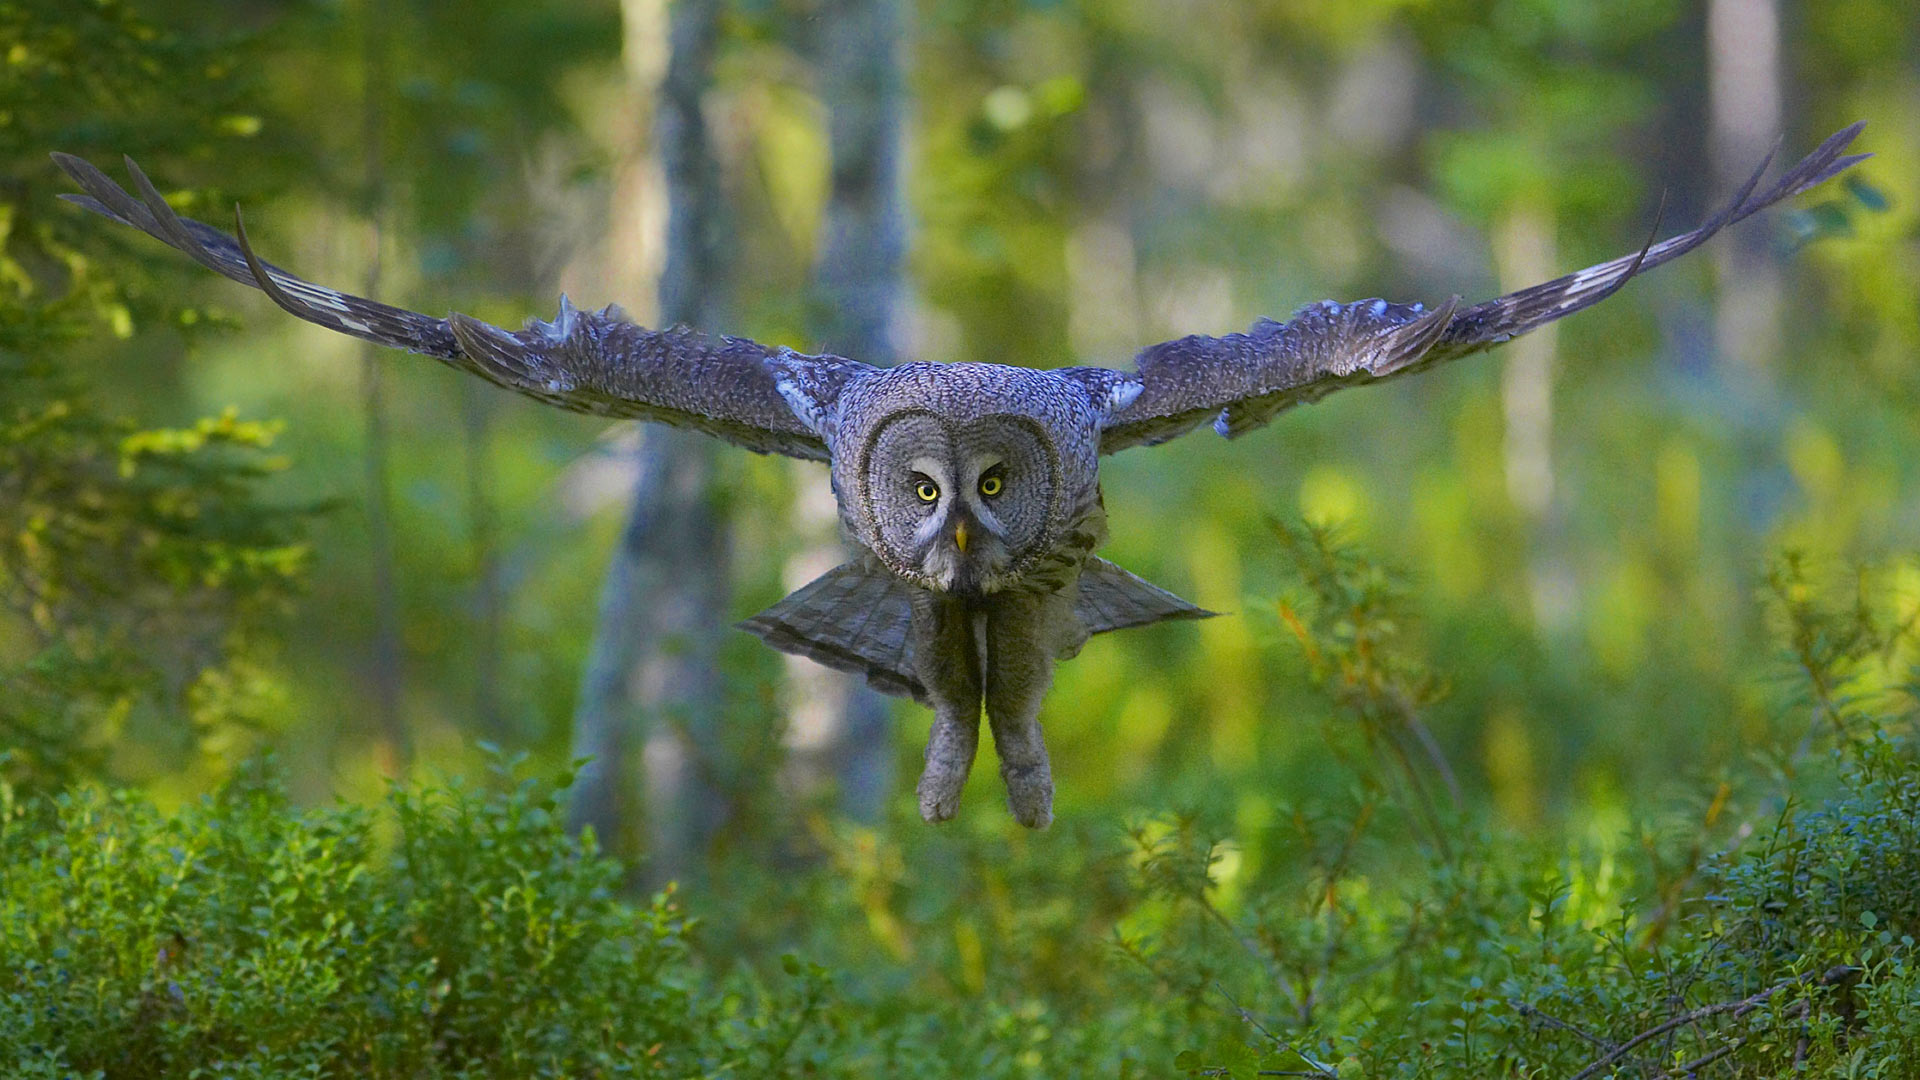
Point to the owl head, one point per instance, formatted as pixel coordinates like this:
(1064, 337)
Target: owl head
(960, 476)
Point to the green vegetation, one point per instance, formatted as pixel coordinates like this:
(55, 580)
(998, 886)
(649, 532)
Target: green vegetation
(142, 568)
(461, 932)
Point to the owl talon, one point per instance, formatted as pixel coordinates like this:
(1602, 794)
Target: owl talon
(940, 796)
(1030, 794)
(951, 745)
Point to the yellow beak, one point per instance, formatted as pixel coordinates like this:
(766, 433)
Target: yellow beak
(960, 537)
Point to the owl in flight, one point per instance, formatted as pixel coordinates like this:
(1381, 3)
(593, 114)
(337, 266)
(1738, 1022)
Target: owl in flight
(971, 491)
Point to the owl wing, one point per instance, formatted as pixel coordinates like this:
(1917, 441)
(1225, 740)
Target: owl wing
(765, 399)
(1241, 381)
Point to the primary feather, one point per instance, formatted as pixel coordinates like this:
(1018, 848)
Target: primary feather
(595, 362)
(1241, 381)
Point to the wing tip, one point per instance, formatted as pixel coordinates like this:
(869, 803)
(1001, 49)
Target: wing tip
(70, 163)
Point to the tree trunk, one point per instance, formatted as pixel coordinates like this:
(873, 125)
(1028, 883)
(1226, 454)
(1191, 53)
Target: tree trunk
(1744, 76)
(1524, 253)
(652, 668)
(837, 725)
(396, 752)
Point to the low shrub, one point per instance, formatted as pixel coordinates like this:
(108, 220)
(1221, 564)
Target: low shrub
(1767, 931)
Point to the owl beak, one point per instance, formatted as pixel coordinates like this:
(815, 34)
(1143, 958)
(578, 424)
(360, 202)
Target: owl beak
(960, 536)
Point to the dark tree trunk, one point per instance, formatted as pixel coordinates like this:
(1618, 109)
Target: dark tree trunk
(838, 725)
(652, 668)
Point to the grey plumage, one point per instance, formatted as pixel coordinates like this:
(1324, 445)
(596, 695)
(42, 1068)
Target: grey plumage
(854, 618)
(971, 489)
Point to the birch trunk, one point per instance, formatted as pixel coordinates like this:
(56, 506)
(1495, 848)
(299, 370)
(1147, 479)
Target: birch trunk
(1525, 253)
(838, 727)
(1744, 103)
(651, 675)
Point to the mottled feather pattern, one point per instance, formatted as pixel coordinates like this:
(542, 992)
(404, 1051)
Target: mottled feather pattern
(1499, 320)
(1112, 598)
(1241, 381)
(600, 363)
(594, 362)
(812, 386)
(1108, 391)
(853, 618)
(220, 253)
(962, 393)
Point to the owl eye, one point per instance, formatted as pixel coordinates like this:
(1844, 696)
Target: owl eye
(927, 490)
(990, 486)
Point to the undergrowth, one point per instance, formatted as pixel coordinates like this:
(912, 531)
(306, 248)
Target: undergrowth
(459, 931)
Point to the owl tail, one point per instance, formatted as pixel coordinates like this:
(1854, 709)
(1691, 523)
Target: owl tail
(1113, 599)
(854, 618)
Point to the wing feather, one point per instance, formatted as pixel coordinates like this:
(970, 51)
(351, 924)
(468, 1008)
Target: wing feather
(1241, 381)
(766, 399)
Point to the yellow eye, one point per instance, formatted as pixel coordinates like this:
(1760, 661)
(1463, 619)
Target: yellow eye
(990, 486)
(927, 490)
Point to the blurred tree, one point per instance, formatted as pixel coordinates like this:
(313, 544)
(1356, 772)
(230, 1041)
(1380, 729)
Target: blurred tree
(385, 659)
(653, 670)
(837, 724)
(1744, 92)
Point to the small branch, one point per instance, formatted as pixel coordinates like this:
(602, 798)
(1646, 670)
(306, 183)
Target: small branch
(1738, 1009)
(1704, 1060)
(1316, 1069)
(1410, 717)
(1552, 1021)
(1273, 971)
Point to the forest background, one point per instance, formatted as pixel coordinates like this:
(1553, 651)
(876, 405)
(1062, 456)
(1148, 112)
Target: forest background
(1615, 592)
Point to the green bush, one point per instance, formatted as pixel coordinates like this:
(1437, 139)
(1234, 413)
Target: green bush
(462, 932)
(242, 937)
(145, 571)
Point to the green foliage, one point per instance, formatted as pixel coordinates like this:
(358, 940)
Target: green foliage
(141, 569)
(106, 75)
(242, 937)
(461, 933)
(140, 573)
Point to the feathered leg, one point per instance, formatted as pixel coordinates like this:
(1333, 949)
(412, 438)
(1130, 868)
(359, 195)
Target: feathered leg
(946, 652)
(1023, 634)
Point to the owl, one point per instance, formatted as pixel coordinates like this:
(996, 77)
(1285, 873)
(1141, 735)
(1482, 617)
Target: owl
(970, 491)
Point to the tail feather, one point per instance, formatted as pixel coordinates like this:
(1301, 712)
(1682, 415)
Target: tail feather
(1113, 599)
(855, 618)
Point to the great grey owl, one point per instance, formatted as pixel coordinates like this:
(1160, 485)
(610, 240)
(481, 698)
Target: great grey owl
(970, 490)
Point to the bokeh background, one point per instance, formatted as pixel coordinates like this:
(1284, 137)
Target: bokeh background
(1584, 522)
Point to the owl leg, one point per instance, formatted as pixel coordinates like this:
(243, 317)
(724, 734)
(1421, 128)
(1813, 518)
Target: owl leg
(1021, 633)
(947, 659)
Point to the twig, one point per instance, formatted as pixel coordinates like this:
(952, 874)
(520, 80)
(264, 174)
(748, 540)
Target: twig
(1737, 1008)
(1382, 734)
(1410, 718)
(1552, 1021)
(1266, 961)
(1317, 1069)
(1704, 1060)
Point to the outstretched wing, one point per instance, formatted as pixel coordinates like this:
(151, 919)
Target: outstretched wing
(1241, 381)
(585, 361)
